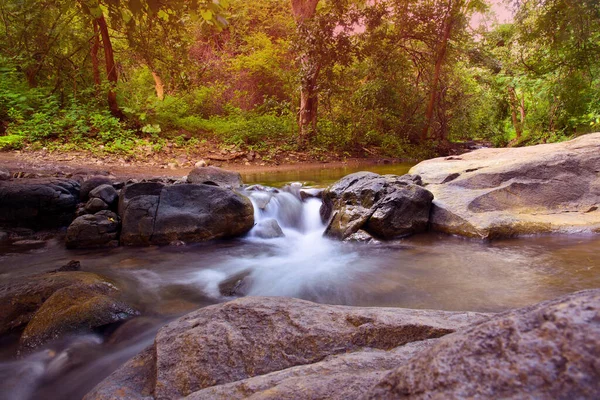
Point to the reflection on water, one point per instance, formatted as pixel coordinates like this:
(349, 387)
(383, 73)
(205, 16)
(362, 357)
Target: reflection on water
(320, 176)
(425, 271)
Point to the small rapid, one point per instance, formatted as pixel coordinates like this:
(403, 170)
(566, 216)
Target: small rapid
(297, 262)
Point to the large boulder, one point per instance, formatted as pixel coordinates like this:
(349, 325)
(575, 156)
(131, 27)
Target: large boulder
(215, 176)
(386, 206)
(98, 230)
(38, 203)
(21, 298)
(74, 309)
(493, 193)
(153, 213)
(547, 351)
(254, 336)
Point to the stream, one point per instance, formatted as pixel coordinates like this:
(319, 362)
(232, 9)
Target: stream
(430, 271)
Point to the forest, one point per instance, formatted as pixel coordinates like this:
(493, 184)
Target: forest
(357, 78)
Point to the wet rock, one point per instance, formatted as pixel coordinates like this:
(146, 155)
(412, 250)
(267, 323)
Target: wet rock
(153, 213)
(106, 193)
(74, 309)
(232, 286)
(38, 203)
(254, 336)
(492, 193)
(92, 183)
(267, 229)
(97, 230)
(4, 174)
(72, 265)
(21, 298)
(386, 206)
(94, 205)
(361, 236)
(311, 193)
(547, 351)
(215, 176)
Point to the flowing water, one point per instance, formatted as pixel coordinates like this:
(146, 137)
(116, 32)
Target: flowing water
(424, 271)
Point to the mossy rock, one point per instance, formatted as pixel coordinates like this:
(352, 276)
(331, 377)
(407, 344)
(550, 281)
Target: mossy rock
(73, 309)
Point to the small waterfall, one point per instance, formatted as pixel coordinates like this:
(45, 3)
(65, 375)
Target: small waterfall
(287, 207)
(287, 254)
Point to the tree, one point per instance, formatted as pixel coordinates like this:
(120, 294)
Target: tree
(303, 11)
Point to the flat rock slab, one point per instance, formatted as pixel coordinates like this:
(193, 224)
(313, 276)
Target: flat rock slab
(264, 339)
(492, 193)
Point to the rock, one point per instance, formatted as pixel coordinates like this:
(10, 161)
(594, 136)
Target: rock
(4, 237)
(253, 336)
(98, 230)
(38, 203)
(232, 286)
(386, 206)
(215, 176)
(200, 164)
(311, 193)
(92, 183)
(267, 229)
(361, 236)
(153, 213)
(106, 193)
(72, 265)
(547, 351)
(338, 377)
(4, 174)
(76, 308)
(492, 193)
(21, 298)
(94, 205)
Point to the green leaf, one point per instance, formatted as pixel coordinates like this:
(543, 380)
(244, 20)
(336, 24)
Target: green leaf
(163, 15)
(207, 15)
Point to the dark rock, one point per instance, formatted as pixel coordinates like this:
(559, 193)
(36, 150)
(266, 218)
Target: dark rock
(386, 206)
(138, 204)
(547, 351)
(493, 193)
(106, 193)
(232, 285)
(267, 229)
(4, 174)
(156, 214)
(72, 265)
(74, 309)
(21, 298)
(38, 203)
(94, 205)
(215, 176)
(311, 193)
(4, 237)
(253, 336)
(97, 230)
(92, 183)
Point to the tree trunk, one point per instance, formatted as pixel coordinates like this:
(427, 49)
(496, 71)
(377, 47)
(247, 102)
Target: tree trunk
(94, 54)
(439, 62)
(513, 111)
(303, 10)
(159, 86)
(111, 70)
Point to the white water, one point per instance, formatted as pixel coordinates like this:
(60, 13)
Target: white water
(303, 263)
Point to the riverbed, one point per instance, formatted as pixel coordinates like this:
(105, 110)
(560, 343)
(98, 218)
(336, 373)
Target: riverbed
(428, 271)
